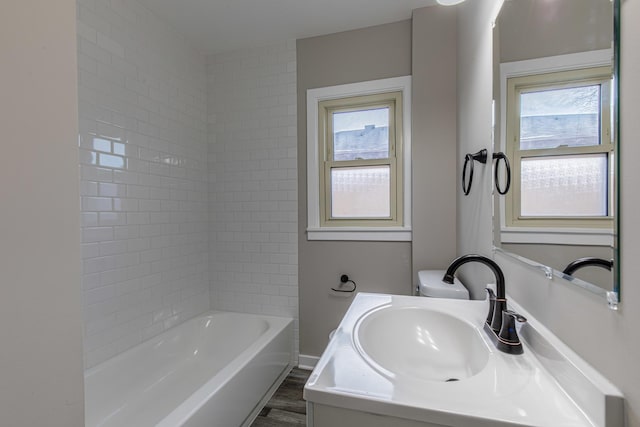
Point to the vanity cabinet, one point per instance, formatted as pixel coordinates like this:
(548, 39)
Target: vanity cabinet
(331, 416)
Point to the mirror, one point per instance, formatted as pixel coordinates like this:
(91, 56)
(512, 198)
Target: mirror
(555, 118)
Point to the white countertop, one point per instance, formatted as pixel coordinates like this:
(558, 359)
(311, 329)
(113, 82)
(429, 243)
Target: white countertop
(510, 390)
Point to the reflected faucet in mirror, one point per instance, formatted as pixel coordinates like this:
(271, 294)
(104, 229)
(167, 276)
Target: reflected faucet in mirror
(587, 262)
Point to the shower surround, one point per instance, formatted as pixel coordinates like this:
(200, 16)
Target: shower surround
(172, 172)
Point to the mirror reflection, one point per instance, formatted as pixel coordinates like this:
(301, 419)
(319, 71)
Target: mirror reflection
(555, 119)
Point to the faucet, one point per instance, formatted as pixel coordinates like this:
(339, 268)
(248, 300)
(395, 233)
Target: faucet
(500, 323)
(587, 261)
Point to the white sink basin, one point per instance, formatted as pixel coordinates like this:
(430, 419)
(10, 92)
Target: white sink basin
(392, 356)
(435, 346)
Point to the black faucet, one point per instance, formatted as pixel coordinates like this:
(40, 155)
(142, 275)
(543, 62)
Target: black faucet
(587, 261)
(500, 323)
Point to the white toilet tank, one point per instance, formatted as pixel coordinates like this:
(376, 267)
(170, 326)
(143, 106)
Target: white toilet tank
(430, 284)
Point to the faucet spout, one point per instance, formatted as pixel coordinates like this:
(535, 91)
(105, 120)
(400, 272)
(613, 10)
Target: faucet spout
(500, 286)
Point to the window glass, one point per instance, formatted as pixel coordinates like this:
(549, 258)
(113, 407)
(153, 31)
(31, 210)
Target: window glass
(361, 134)
(564, 186)
(560, 117)
(361, 192)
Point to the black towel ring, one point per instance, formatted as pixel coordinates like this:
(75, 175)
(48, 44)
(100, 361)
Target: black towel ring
(501, 156)
(344, 279)
(480, 156)
(467, 160)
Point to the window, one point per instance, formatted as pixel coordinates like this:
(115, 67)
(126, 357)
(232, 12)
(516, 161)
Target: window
(359, 141)
(358, 161)
(559, 135)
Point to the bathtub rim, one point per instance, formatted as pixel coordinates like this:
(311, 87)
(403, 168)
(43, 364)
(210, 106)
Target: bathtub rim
(197, 399)
(89, 371)
(202, 395)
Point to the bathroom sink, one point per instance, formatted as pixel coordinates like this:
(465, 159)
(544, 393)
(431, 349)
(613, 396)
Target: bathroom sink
(435, 346)
(394, 360)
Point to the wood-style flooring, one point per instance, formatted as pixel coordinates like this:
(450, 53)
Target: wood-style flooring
(286, 407)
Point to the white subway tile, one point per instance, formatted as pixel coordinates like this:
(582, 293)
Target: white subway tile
(125, 205)
(112, 276)
(97, 234)
(99, 294)
(111, 218)
(110, 45)
(109, 189)
(112, 248)
(253, 179)
(97, 204)
(89, 219)
(92, 50)
(90, 250)
(175, 210)
(126, 232)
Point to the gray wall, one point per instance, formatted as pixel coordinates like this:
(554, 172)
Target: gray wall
(533, 28)
(41, 356)
(367, 54)
(434, 99)
(426, 48)
(609, 340)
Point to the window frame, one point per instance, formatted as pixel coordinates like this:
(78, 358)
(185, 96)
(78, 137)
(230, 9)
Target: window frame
(355, 96)
(558, 230)
(549, 81)
(326, 143)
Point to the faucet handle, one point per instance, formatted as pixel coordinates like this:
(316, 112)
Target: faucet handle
(508, 339)
(519, 317)
(492, 305)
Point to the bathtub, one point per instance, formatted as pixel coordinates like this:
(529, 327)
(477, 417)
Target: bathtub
(215, 370)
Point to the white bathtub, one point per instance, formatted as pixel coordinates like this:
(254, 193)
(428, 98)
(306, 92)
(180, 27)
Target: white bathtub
(213, 370)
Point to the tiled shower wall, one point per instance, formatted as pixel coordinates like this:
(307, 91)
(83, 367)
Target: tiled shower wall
(253, 180)
(143, 166)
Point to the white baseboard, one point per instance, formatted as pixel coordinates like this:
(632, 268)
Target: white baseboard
(307, 362)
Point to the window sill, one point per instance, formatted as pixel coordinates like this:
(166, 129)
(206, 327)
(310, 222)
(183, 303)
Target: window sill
(398, 234)
(560, 236)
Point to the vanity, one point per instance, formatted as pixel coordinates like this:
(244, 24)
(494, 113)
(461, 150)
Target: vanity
(411, 361)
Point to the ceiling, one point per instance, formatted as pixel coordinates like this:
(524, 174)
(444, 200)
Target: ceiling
(215, 26)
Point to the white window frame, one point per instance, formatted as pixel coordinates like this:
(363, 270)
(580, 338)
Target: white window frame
(317, 231)
(551, 235)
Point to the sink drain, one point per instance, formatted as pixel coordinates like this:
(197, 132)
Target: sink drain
(451, 380)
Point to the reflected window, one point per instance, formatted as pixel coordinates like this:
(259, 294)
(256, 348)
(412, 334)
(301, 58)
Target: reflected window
(560, 136)
(108, 153)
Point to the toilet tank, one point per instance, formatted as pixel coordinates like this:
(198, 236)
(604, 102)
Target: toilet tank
(430, 284)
